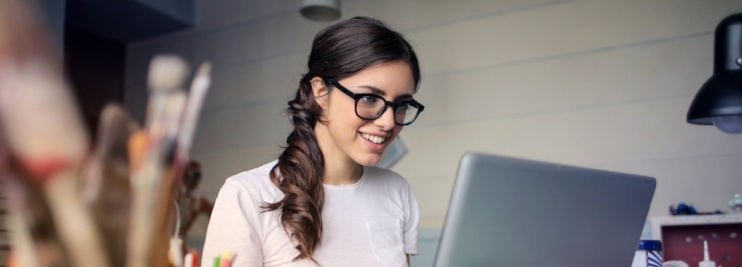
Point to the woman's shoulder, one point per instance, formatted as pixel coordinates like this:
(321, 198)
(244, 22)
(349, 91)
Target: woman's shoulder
(254, 179)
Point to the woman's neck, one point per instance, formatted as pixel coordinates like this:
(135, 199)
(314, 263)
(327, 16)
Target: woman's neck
(341, 174)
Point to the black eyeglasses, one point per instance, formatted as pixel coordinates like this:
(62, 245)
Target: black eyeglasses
(371, 106)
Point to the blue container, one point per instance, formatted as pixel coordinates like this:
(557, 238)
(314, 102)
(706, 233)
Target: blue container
(649, 251)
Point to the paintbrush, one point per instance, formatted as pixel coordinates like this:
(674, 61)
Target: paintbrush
(197, 92)
(31, 232)
(196, 95)
(187, 125)
(166, 76)
(48, 145)
(107, 189)
(15, 219)
(17, 223)
(109, 162)
(150, 159)
(163, 197)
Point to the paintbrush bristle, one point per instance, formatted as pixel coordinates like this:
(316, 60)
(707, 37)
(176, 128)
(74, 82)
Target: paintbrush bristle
(167, 73)
(202, 79)
(204, 69)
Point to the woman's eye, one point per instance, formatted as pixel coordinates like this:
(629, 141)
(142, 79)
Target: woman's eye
(369, 99)
(402, 107)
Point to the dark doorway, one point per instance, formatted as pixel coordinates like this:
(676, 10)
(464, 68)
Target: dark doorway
(95, 68)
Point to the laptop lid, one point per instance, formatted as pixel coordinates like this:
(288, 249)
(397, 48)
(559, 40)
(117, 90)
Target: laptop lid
(521, 213)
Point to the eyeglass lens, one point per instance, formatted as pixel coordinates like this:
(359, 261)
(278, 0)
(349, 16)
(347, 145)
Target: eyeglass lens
(371, 107)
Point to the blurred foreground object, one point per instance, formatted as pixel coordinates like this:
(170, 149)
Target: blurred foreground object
(43, 130)
(72, 203)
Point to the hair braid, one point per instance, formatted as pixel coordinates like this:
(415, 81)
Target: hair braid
(301, 166)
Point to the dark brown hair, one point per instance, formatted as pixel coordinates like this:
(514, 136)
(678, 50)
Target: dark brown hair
(338, 51)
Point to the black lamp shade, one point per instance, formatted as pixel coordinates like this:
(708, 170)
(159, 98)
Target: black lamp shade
(721, 95)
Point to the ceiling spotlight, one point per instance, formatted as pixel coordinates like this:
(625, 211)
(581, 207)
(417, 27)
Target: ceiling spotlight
(320, 10)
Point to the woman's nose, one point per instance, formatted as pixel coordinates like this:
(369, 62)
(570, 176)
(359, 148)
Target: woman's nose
(386, 121)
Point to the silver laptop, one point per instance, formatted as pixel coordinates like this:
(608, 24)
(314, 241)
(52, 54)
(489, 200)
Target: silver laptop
(520, 213)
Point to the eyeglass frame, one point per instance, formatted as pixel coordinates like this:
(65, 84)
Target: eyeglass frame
(357, 97)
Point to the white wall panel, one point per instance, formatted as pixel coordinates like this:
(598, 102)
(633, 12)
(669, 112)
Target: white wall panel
(256, 81)
(218, 166)
(565, 28)
(267, 37)
(642, 131)
(706, 182)
(638, 73)
(408, 16)
(261, 123)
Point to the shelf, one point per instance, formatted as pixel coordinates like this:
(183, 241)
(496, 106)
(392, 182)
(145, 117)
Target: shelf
(658, 222)
(683, 237)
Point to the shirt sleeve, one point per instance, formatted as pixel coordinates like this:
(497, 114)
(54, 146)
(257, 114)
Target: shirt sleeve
(233, 227)
(412, 219)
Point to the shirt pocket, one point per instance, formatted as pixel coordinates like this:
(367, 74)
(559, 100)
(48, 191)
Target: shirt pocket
(386, 241)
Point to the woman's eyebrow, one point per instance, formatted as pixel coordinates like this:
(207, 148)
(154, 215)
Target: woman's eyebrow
(377, 91)
(374, 89)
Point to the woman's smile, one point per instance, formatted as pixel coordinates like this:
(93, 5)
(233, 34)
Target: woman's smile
(374, 143)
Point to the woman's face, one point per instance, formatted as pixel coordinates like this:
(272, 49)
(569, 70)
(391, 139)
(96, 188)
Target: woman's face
(345, 136)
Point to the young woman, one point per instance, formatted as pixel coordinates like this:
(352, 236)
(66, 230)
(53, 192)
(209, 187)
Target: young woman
(323, 202)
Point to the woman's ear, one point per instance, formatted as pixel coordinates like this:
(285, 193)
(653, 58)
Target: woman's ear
(319, 90)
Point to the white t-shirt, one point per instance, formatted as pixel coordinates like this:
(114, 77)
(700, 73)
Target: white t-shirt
(370, 223)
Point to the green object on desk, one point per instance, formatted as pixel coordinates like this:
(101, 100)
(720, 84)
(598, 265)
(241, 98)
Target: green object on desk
(217, 260)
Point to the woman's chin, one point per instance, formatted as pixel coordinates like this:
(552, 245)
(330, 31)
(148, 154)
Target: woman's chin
(369, 160)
